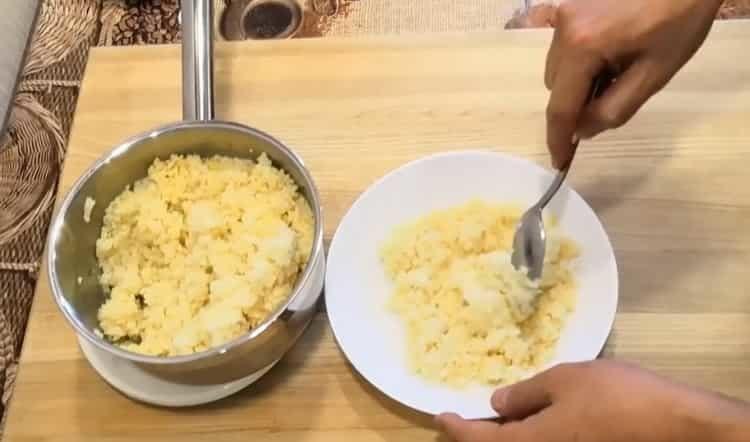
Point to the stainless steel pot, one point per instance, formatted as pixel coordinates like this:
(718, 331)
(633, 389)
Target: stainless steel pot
(72, 264)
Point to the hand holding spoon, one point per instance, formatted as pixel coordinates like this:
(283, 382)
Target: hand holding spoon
(530, 240)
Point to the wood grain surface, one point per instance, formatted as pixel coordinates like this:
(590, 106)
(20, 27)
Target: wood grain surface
(671, 188)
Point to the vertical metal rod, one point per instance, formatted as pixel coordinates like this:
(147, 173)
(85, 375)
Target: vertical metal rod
(197, 60)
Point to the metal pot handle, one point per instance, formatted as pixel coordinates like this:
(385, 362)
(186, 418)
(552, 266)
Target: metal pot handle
(197, 60)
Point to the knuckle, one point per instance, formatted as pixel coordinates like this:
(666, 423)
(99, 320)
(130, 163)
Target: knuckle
(580, 36)
(575, 32)
(583, 38)
(613, 118)
(556, 114)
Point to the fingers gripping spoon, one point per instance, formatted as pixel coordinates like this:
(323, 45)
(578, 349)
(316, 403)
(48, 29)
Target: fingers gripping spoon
(530, 239)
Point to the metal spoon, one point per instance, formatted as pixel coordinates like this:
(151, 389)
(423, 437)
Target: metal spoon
(530, 240)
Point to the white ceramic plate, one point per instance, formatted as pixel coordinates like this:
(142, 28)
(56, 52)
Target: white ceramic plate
(357, 288)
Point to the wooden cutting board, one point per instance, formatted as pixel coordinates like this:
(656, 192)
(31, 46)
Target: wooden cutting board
(672, 189)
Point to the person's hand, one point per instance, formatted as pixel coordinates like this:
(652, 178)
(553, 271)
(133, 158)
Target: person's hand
(643, 42)
(538, 16)
(604, 401)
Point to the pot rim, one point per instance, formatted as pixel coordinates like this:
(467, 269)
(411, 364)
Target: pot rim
(57, 224)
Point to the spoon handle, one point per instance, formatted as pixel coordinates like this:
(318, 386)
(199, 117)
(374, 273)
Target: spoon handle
(600, 82)
(553, 188)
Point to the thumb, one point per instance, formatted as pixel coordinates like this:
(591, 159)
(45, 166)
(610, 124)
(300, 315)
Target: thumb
(525, 398)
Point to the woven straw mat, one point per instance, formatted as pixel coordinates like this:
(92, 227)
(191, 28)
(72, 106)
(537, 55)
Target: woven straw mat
(31, 152)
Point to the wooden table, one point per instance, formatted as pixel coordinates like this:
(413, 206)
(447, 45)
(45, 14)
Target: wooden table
(672, 189)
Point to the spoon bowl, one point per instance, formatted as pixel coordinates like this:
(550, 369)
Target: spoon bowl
(530, 239)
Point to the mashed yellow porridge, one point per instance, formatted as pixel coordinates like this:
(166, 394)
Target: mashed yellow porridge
(199, 252)
(470, 316)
